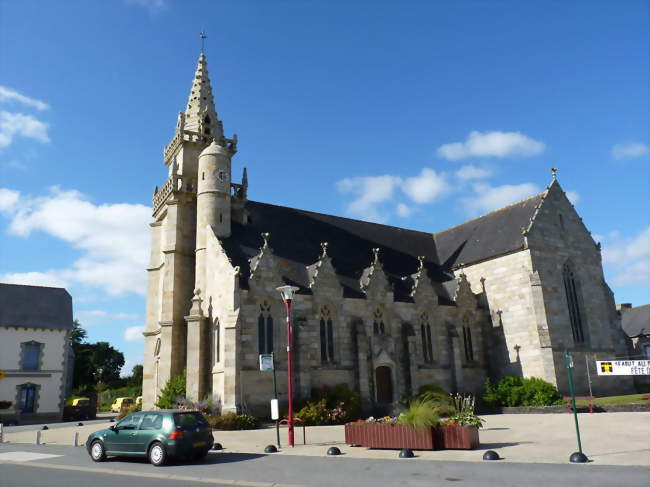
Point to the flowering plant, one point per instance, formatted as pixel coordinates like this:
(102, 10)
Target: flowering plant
(464, 412)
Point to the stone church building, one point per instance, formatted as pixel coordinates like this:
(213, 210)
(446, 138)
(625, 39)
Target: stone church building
(380, 308)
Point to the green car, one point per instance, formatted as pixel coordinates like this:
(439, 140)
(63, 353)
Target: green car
(157, 435)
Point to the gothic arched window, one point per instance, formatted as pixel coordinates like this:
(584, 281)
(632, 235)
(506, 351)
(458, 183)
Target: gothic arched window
(467, 340)
(575, 314)
(326, 336)
(378, 327)
(425, 332)
(206, 128)
(265, 329)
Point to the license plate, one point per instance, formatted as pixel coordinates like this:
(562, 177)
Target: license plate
(198, 443)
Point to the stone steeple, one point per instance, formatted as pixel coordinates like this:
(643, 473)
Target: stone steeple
(200, 114)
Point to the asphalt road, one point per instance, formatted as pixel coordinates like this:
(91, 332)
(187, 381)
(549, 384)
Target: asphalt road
(73, 468)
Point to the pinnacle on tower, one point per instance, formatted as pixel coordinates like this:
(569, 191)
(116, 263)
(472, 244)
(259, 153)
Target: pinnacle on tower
(201, 114)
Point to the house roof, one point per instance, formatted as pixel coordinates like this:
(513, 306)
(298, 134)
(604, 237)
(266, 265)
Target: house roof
(35, 307)
(496, 233)
(636, 321)
(296, 237)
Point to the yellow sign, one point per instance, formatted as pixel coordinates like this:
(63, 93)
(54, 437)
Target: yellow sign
(2, 374)
(606, 367)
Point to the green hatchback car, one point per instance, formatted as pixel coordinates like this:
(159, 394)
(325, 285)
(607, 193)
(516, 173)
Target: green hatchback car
(156, 435)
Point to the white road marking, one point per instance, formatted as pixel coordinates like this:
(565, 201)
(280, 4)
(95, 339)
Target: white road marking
(24, 456)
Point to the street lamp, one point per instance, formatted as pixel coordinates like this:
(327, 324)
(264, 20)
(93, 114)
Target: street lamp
(287, 296)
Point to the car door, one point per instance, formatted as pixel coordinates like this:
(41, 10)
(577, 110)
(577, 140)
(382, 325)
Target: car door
(150, 426)
(123, 439)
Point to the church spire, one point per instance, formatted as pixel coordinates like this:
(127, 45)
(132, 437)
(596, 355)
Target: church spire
(201, 114)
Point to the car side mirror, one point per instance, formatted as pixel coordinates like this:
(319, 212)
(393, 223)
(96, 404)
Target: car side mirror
(112, 428)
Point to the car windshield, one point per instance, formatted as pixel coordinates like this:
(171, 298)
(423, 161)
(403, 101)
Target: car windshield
(189, 420)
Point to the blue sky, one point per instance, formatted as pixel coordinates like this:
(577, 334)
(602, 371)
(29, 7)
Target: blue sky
(415, 114)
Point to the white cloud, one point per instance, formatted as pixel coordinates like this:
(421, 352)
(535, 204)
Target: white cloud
(630, 150)
(629, 259)
(7, 94)
(470, 172)
(113, 238)
(370, 192)
(8, 199)
(573, 197)
(134, 334)
(48, 279)
(426, 187)
(492, 144)
(404, 210)
(13, 124)
(153, 6)
(488, 198)
(98, 316)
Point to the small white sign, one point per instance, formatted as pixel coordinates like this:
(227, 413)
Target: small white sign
(275, 409)
(266, 362)
(623, 367)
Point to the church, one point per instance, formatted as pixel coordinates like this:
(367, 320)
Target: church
(383, 309)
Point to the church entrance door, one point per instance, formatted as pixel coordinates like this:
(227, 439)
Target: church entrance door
(384, 384)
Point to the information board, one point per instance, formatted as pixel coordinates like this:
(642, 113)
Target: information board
(623, 367)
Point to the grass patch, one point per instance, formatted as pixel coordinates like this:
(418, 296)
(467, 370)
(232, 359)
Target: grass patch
(629, 399)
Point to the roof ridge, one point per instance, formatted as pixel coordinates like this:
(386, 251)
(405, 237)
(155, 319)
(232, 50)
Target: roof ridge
(30, 285)
(345, 218)
(492, 212)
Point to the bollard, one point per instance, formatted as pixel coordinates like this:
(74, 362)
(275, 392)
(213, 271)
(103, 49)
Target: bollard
(1, 432)
(38, 437)
(75, 441)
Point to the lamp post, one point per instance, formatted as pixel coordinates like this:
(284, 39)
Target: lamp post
(287, 296)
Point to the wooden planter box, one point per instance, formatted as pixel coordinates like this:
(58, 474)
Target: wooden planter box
(457, 437)
(376, 435)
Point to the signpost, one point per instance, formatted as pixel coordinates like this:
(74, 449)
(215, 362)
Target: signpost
(577, 457)
(267, 364)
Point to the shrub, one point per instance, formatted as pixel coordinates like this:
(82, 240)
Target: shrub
(5, 404)
(207, 406)
(232, 421)
(517, 391)
(331, 405)
(173, 392)
(420, 414)
(434, 395)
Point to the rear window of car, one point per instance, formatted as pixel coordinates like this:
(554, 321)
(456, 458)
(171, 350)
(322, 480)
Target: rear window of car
(189, 420)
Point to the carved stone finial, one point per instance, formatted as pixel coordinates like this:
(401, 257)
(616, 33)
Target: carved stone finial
(421, 262)
(554, 173)
(323, 247)
(236, 271)
(197, 292)
(375, 259)
(266, 236)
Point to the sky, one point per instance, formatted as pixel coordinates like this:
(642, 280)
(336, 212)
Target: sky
(418, 114)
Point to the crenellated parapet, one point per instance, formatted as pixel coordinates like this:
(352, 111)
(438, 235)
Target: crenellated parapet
(175, 183)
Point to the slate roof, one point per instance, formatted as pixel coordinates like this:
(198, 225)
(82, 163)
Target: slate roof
(35, 307)
(636, 321)
(296, 236)
(496, 233)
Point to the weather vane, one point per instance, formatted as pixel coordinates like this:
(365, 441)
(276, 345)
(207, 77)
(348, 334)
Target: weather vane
(202, 36)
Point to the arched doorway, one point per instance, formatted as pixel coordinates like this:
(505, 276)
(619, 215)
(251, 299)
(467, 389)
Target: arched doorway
(384, 384)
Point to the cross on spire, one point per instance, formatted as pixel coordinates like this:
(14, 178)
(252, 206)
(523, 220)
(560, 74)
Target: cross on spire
(202, 35)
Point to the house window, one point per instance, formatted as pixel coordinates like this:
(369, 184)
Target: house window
(27, 398)
(573, 302)
(265, 329)
(31, 355)
(425, 332)
(326, 336)
(467, 341)
(646, 351)
(378, 327)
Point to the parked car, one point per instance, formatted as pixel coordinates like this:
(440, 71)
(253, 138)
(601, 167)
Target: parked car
(79, 408)
(156, 435)
(122, 403)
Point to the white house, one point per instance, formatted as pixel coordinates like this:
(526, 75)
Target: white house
(35, 326)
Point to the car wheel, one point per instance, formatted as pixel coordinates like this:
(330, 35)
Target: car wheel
(97, 451)
(157, 454)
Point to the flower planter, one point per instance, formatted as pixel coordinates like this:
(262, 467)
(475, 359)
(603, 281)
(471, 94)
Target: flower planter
(457, 437)
(377, 435)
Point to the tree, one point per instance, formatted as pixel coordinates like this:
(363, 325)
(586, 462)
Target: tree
(93, 362)
(136, 376)
(173, 391)
(78, 334)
